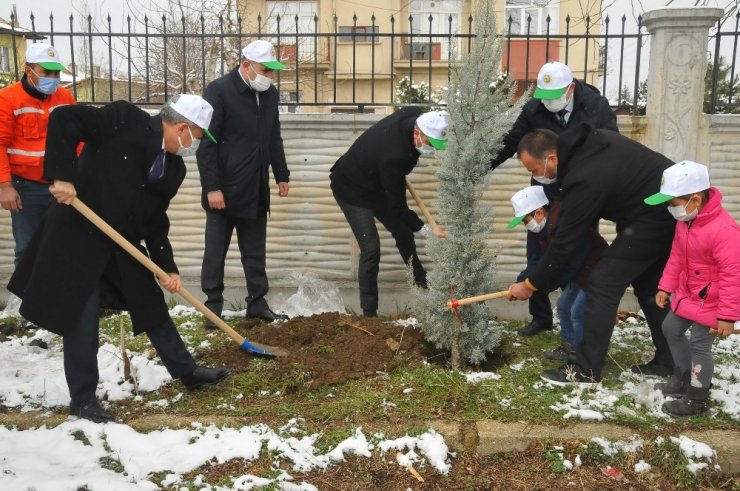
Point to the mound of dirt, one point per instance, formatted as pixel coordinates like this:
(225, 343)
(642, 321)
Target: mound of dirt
(330, 348)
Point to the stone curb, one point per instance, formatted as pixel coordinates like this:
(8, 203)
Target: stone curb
(490, 437)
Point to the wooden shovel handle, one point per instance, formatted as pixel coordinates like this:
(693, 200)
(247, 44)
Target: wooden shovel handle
(421, 205)
(480, 298)
(151, 266)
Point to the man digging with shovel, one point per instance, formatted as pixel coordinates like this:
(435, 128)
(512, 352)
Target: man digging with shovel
(130, 169)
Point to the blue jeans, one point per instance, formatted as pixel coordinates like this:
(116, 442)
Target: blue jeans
(571, 305)
(35, 200)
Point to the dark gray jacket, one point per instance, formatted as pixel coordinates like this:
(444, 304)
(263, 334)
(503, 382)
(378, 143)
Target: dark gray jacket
(588, 107)
(248, 135)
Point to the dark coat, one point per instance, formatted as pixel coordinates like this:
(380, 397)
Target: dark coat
(372, 173)
(606, 175)
(249, 141)
(588, 107)
(68, 257)
(580, 264)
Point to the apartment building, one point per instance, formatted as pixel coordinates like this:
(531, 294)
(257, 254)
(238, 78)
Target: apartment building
(352, 53)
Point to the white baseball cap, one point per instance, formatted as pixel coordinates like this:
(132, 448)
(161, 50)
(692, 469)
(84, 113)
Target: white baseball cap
(45, 55)
(552, 80)
(434, 125)
(195, 109)
(262, 52)
(685, 177)
(525, 202)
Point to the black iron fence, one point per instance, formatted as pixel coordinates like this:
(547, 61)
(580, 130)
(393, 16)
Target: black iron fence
(354, 66)
(722, 84)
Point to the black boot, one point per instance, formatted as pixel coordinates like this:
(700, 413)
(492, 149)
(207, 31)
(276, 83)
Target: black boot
(92, 411)
(677, 385)
(694, 402)
(203, 376)
(535, 327)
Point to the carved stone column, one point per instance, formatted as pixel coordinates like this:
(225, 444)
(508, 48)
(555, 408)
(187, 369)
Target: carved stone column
(678, 63)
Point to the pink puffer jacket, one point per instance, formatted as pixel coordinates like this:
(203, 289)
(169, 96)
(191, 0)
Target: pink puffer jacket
(703, 272)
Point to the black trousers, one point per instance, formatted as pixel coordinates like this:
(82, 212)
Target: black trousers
(251, 235)
(539, 303)
(606, 284)
(362, 222)
(81, 352)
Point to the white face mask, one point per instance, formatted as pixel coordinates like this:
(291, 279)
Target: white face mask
(188, 151)
(535, 227)
(680, 214)
(555, 105)
(260, 83)
(543, 179)
(424, 149)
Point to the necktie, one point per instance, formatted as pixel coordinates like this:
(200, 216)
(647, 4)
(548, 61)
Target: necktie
(156, 172)
(561, 116)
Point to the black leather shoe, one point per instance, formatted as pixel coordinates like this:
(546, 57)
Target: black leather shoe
(92, 411)
(653, 368)
(533, 328)
(568, 374)
(203, 376)
(268, 316)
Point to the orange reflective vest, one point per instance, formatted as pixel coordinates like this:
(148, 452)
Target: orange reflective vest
(23, 123)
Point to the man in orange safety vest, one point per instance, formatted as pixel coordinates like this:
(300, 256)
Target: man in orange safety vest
(24, 114)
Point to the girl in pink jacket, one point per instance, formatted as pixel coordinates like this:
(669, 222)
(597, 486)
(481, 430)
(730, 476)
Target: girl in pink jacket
(702, 280)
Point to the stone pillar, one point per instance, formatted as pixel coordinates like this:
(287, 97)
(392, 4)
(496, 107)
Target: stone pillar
(678, 63)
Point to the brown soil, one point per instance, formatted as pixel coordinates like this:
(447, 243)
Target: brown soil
(526, 470)
(330, 348)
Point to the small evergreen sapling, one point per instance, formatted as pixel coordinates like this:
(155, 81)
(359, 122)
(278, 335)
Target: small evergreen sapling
(479, 102)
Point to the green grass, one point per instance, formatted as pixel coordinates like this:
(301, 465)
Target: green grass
(259, 394)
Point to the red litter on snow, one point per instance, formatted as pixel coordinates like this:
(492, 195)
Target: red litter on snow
(610, 471)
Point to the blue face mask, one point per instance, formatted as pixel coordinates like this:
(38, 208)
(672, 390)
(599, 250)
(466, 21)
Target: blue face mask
(47, 85)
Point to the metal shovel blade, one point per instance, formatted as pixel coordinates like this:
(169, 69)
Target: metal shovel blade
(261, 349)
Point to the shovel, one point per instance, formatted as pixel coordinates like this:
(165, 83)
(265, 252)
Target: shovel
(423, 207)
(454, 304)
(244, 344)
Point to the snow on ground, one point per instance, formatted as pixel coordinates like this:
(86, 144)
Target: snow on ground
(77, 454)
(31, 377)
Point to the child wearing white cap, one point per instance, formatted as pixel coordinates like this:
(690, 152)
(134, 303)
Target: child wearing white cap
(701, 279)
(532, 207)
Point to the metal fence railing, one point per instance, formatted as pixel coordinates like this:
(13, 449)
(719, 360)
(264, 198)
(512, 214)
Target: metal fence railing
(354, 65)
(722, 83)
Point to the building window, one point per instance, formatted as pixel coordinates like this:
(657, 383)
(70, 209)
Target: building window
(360, 34)
(289, 97)
(518, 11)
(4, 59)
(445, 20)
(288, 11)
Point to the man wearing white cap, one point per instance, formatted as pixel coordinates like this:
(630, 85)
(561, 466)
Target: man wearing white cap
(368, 182)
(604, 175)
(25, 107)
(129, 170)
(559, 102)
(234, 174)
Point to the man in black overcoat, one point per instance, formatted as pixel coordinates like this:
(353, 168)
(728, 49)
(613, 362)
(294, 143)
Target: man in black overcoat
(603, 175)
(130, 168)
(559, 102)
(369, 182)
(234, 174)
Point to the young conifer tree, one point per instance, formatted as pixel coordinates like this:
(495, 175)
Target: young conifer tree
(479, 101)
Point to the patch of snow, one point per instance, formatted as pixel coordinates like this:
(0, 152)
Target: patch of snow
(475, 377)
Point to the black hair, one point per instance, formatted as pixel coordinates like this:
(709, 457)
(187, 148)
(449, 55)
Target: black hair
(538, 142)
